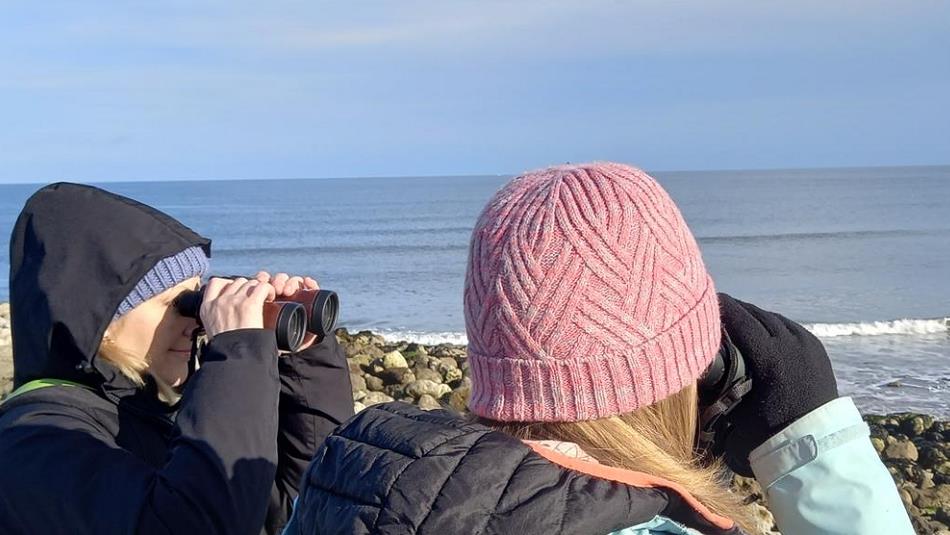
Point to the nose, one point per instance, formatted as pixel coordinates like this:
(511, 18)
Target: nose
(188, 326)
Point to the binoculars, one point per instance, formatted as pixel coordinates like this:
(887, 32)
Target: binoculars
(721, 389)
(290, 317)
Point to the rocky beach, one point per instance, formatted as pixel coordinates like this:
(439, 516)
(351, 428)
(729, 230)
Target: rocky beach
(914, 447)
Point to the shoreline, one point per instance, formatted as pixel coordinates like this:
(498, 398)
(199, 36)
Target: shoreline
(914, 447)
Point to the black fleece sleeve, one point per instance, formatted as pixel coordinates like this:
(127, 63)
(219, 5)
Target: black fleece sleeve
(68, 475)
(315, 397)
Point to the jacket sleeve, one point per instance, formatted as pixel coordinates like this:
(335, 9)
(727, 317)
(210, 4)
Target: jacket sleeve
(67, 471)
(315, 397)
(822, 475)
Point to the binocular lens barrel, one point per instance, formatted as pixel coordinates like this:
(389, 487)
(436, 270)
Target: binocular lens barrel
(288, 320)
(323, 313)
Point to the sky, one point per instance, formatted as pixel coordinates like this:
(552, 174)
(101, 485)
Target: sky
(104, 91)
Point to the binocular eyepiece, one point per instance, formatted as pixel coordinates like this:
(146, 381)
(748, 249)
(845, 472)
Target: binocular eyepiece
(721, 389)
(290, 317)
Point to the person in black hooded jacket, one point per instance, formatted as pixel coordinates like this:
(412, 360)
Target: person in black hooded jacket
(108, 429)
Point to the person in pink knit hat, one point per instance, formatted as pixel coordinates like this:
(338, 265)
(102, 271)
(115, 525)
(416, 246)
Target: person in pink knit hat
(591, 318)
(592, 324)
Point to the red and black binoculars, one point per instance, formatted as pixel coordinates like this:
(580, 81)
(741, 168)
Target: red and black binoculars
(290, 317)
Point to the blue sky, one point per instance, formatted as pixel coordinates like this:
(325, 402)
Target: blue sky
(179, 90)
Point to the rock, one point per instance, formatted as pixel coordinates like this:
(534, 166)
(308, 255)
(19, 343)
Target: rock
(374, 384)
(931, 455)
(428, 403)
(394, 359)
(878, 445)
(395, 391)
(375, 398)
(417, 349)
(368, 338)
(916, 425)
(447, 363)
(902, 450)
(420, 387)
(926, 480)
(938, 496)
(396, 376)
(362, 360)
(424, 372)
(353, 349)
(906, 497)
(458, 398)
(453, 375)
(358, 386)
(357, 382)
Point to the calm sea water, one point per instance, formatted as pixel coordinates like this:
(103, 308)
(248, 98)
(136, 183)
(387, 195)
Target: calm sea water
(861, 256)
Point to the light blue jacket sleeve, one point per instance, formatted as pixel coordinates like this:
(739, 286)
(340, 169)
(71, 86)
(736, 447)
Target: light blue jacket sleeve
(822, 475)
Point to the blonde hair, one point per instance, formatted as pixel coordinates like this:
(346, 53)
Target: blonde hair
(658, 440)
(128, 363)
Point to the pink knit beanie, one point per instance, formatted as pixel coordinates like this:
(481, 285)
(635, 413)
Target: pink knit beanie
(585, 297)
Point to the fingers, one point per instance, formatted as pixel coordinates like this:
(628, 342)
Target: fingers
(292, 285)
(260, 292)
(214, 287)
(278, 281)
(287, 285)
(236, 286)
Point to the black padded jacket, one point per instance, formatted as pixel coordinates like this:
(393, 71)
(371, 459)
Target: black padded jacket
(395, 469)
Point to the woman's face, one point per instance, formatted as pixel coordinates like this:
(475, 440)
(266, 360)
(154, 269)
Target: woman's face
(156, 332)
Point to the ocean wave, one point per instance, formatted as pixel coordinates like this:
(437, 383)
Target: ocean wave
(424, 337)
(877, 328)
(821, 330)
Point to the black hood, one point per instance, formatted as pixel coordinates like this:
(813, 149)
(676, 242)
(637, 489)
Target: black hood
(76, 251)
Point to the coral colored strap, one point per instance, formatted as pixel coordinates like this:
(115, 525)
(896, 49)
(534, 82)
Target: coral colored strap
(629, 477)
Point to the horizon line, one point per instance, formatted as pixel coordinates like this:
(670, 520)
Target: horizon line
(465, 175)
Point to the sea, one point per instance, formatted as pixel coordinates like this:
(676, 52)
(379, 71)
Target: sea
(860, 256)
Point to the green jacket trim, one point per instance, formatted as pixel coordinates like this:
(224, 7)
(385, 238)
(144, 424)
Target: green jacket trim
(36, 384)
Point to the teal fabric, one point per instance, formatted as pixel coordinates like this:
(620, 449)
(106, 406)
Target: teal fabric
(822, 475)
(659, 525)
(291, 527)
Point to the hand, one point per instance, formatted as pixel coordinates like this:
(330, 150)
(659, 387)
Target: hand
(791, 376)
(286, 286)
(229, 305)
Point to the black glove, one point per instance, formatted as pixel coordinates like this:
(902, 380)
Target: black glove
(791, 376)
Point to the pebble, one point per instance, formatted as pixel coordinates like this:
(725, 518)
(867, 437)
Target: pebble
(394, 359)
(420, 387)
(428, 403)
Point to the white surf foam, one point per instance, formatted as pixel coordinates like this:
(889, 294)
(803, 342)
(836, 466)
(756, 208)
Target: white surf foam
(425, 338)
(821, 330)
(877, 328)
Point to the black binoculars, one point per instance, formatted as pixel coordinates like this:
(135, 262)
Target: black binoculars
(290, 317)
(721, 389)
